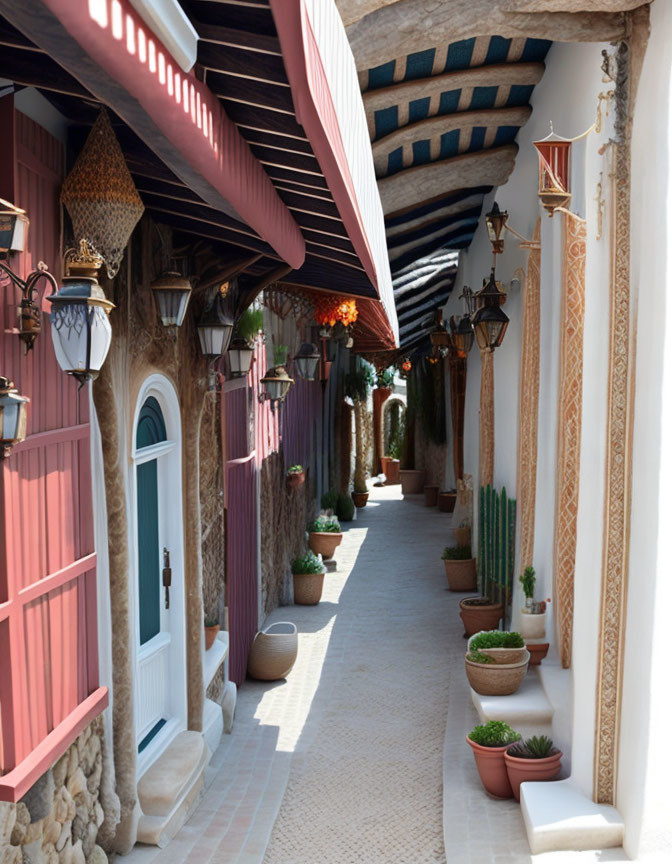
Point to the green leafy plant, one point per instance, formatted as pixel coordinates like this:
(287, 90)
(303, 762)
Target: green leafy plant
(295, 469)
(359, 382)
(307, 564)
(527, 580)
(345, 508)
(478, 657)
(456, 553)
(357, 386)
(329, 500)
(386, 378)
(211, 622)
(496, 639)
(280, 353)
(249, 324)
(536, 747)
(494, 733)
(325, 524)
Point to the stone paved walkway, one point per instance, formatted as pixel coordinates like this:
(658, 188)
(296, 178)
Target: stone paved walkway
(346, 762)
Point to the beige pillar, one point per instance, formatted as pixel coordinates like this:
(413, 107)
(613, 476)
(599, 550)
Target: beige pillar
(486, 446)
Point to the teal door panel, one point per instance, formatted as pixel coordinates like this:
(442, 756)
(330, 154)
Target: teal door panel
(149, 581)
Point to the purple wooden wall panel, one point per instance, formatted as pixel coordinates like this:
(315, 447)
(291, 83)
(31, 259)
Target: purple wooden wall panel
(241, 562)
(298, 422)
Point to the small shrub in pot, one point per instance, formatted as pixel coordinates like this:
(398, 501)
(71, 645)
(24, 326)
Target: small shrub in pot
(324, 535)
(535, 759)
(460, 568)
(489, 743)
(308, 571)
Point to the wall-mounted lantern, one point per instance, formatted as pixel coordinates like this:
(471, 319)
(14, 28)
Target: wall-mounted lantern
(306, 361)
(13, 416)
(171, 292)
(14, 224)
(495, 222)
(215, 327)
(553, 152)
(80, 322)
(490, 321)
(276, 383)
(461, 335)
(439, 335)
(240, 358)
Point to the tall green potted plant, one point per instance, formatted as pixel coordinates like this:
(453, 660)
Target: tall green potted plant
(358, 385)
(533, 615)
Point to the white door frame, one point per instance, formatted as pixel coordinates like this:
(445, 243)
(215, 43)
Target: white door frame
(169, 475)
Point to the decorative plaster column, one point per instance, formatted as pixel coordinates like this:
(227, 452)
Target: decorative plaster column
(380, 396)
(570, 394)
(457, 367)
(616, 543)
(528, 426)
(486, 438)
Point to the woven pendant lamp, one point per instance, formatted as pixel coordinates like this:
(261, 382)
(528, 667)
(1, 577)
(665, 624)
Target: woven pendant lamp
(100, 196)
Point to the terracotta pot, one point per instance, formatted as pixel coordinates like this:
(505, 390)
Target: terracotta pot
(462, 536)
(360, 498)
(461, 575)
(384, 462)
(479, 617)
(431, 495)
(324, 543)
(295, 479)
(392, 472)
(496, 679)
(447, 501)
(308, 588)
(538, 650)
(523, 770)
(412, 481)
(532, 625)
(210, 636)
(492, 769)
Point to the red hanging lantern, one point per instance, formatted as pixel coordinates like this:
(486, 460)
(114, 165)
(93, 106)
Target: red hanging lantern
(553, 152)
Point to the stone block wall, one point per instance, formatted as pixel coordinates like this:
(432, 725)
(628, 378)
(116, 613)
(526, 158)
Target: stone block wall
(57, 820)
(284, 516)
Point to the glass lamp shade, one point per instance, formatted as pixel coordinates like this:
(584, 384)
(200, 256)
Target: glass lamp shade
(307, 361)
(215, 328)
(13, 416)
(240, 358)
(490, 323)
(276, 383)
(439, 337)
(13, 228)
(495, 221)
(80, 327)
(462, 335)
(171, 293)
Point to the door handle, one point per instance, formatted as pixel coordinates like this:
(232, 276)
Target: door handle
(167, 575)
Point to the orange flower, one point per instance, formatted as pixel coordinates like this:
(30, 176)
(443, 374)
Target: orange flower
(329, 310)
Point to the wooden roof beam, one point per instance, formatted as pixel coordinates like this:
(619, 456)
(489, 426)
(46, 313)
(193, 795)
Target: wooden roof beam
(485, 167)
(409, 26)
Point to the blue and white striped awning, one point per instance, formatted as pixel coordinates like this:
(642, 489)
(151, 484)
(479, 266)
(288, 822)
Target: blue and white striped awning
(419, 290)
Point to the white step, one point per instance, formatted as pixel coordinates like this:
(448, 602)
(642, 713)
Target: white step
(559, 818)
(170, 788)
(528, 710)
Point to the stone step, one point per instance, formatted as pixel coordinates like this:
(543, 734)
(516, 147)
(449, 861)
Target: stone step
(528, 711)
(170, 788)
(559, 818)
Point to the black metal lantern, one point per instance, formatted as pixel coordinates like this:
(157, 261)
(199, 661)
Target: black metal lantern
(495, 222)
(490, 321)
(80, 323)
(461, 335)
(13, 416)
(240, 358)
(439, 336)
(276, 383)
(171, 292)
(13, 228)
(215, 327)
(307, 361)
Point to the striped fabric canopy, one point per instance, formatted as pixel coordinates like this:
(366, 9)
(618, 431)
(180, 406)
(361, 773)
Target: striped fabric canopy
(443, 124)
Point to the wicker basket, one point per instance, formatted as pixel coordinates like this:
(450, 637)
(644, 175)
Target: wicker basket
(273, 652)
(496, 679)
(308, 588)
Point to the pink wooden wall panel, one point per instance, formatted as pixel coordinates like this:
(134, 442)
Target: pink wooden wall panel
(241, 562)
(48, 634)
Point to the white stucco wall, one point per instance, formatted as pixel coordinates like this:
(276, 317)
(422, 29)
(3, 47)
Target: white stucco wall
(645, 764)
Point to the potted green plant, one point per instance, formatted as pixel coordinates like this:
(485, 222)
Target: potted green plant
(496, 663)
(308, 572)
(535, 759)
(358, 384)
(345, 508)
(241, 349)
(295, 476)
(324, 535)
(211, 631)
(489, 743)
(533, 615)
(394, 449)
(460, 568)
